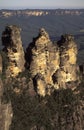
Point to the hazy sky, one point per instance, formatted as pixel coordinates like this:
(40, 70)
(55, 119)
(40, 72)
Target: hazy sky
(41, 4)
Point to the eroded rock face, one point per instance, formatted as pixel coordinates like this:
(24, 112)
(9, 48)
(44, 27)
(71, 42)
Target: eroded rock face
(11, 40)
(52, 66)
(67, 74)
(1, 64)
(44, 61)
(5, 108)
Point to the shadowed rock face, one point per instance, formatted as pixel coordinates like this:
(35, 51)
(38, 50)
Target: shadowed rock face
(11, 40)
(1, 85)
(1, 64)
(5, 108)
(55, 63)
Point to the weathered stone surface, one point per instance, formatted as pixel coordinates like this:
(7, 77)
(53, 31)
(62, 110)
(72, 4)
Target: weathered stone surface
(11, 40)
(0, 64)
(68, 57)
(7, 114)
(1, 94)
(5, 108)
(55, 63)
(44, 60)
(52, 67)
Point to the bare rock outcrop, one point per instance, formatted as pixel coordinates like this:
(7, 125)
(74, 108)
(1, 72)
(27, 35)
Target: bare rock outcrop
(43, 61)
(5, 108)
(1, 64)
(52, 66)
(1, 94)
(67, 75)
(11, 40)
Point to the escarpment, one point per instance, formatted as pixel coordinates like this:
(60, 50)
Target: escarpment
(13, 49)
(52, 66)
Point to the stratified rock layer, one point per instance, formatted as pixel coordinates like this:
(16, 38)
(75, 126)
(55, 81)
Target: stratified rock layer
(11, 40)
(52, 66)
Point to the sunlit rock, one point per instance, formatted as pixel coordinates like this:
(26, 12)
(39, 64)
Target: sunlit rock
(68, 60)
(11, 40)
(54, 65)
(43, 58)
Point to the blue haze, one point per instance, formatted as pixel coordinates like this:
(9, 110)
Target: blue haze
(21, 4)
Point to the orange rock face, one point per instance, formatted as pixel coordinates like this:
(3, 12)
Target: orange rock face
(55, 63)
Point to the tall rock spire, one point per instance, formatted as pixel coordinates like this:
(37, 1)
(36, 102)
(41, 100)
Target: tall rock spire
(52, 66)
(12, 43)
(44, 61)
(67, 74)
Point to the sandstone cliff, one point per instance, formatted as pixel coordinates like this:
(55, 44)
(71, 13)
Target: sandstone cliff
(12, 43)
(52, 66)
(27, 13)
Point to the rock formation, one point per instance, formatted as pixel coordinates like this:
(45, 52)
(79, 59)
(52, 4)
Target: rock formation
(1, 64)
(11, 40)
(67, 74)
(1, 92)
(44, 61)
(52, 66)
(5, 108)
